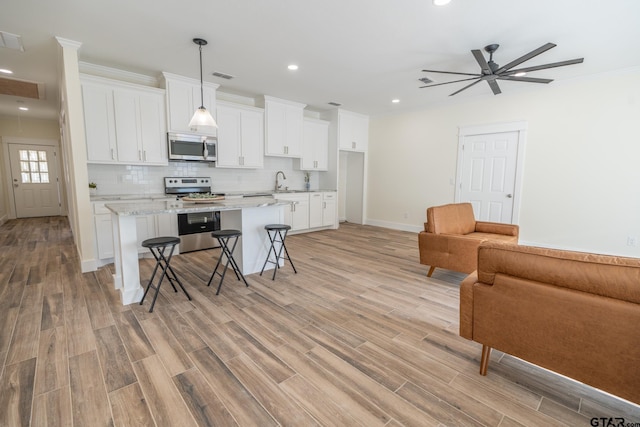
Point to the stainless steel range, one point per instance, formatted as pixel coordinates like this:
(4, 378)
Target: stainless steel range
(194, 229)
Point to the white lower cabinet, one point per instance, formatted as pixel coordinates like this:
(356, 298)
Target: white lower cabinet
(310, 210)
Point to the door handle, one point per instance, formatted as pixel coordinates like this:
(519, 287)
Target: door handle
(509, 196)
(15, 185)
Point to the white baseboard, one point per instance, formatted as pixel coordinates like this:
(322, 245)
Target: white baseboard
(395, 225)
(3, 219)
(88, 265)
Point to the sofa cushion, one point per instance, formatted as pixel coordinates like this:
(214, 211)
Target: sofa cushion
(454, 218)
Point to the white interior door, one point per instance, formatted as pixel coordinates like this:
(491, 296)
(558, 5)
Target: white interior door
(488, 175)
(34, 176)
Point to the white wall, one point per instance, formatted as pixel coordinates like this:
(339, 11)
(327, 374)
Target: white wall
(582, 161)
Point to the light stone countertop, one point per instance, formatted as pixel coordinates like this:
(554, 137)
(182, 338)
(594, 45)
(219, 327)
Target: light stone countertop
(179, 207)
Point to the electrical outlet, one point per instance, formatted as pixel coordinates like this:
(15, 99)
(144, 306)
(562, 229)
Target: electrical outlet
(632, 241)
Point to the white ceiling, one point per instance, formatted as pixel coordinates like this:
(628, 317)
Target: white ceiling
(360, 53)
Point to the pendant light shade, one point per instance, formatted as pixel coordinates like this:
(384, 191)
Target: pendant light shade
(202, 117)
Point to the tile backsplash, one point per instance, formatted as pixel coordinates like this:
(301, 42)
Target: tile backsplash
(141, 180)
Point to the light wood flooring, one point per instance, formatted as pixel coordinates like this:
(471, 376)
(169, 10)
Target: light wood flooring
(360, 336)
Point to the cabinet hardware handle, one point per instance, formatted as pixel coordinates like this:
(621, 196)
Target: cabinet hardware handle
(139, 154)
(112, 156)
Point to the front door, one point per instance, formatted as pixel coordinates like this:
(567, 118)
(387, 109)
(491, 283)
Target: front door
(488, 180)
(34, 176)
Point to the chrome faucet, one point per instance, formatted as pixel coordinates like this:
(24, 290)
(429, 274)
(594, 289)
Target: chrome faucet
(278, 185)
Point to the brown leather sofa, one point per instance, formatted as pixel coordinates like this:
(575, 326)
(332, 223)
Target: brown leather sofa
(452, 235)
(574, 313)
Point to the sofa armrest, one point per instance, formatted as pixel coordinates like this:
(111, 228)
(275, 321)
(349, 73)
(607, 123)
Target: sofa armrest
(497, 228)
(466, 305)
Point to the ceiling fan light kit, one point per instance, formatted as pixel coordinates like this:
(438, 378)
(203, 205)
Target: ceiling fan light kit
(492, 72)
(201, 117)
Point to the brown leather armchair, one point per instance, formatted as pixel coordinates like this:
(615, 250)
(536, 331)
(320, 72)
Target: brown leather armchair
(452, 235)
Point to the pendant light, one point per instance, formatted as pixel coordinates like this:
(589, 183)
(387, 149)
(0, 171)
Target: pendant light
(201, 117)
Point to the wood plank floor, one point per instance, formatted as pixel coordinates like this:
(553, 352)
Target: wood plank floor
(360, 336)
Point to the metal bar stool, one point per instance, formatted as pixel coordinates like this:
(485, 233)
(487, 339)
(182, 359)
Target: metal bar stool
(223, 237)
(277, 234)
(158, 246)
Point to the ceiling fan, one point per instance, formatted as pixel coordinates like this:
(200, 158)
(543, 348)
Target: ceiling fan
(492, 72)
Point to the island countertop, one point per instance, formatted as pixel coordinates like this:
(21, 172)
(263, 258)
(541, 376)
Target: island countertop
(179, 207)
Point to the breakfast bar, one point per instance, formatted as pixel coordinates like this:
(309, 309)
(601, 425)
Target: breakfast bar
(249, 215)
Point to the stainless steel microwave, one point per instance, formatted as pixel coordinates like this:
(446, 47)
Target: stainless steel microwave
(192, 147)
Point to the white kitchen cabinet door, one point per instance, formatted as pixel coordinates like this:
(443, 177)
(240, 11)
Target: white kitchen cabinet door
(153, 129)
(353, 131)
(183, 99)
(166, 225)
(315, 210)
(329, 209)
(240, 137)
(99, 123)
(229, 134)
(146, 229)
(283, 127)
(252, 137)
(315, 145)
(104, 235)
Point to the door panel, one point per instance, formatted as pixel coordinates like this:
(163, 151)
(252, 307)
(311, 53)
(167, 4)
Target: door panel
(34, 176)
(489, 174)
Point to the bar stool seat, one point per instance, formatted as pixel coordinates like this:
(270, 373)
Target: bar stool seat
(277, 234)
(224, 236)
(158, 246)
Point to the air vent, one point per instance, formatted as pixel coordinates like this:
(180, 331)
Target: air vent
(222, 75)
(426, 80)
(335, 104)
(12, 41)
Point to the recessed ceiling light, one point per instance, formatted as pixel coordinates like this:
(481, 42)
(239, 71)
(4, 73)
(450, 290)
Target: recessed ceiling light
(5, 71)
(441, 2)
(395, 101)
(293, 67)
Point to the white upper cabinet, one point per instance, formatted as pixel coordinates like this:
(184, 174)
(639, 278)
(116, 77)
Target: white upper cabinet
(240, 136)
(124, 123)
(283, 127)
(353, 131)
(183, 99)
(315, 145)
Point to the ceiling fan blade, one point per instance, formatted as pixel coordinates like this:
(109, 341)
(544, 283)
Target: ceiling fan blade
(451, 72)
(525, 79)
(484, 66)
(545, 66)
(454, 81)
(526, 57)
(466, 87)
(494, 87)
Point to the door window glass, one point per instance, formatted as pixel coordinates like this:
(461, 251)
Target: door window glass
(33, 166)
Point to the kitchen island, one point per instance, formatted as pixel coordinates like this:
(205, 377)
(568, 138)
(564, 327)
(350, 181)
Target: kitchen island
(249, 215)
